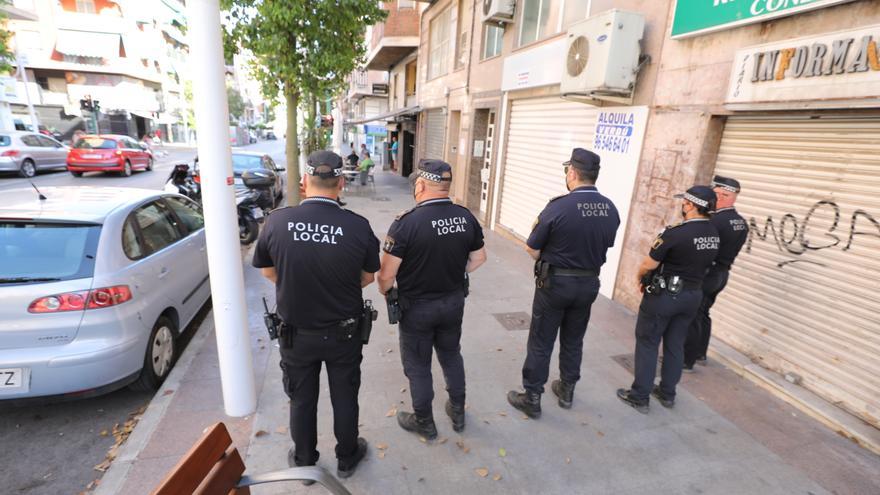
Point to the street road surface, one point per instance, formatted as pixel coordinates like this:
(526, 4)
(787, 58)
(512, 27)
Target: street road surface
(52, 448)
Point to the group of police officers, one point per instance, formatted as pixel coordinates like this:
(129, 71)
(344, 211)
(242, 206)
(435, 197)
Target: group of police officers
(320, 256)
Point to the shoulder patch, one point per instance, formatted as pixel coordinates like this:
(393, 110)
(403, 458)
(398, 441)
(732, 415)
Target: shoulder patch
(657, 242)
(404, 213)
(388, 245)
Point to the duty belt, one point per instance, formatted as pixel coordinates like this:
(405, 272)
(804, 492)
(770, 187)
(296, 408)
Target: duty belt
(573, 272)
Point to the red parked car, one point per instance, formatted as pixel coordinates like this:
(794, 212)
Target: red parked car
(108, 153)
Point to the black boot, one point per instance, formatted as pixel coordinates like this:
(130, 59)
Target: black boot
(456, 414)
(344, 470)
(527, 402)
(640, 405)
(291, 461)
(424, 427)
(564, 391)
(660, 396)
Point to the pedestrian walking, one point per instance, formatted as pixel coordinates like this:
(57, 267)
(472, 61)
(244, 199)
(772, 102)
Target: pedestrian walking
(429, 250)
(394, 148)
(671, 279)
(569, 242)
(320, 256)
(733, 231)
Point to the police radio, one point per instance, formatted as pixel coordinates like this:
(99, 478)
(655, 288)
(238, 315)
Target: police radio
(272, 321)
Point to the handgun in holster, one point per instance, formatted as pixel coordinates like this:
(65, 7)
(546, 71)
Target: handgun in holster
(392, 299)
(467, 285)
(366, 321)
(542, 274)
(273, 322)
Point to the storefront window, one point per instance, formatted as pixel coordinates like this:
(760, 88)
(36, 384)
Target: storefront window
(537, 20)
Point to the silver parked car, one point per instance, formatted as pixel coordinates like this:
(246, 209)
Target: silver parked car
(95, 285)
(28, 152)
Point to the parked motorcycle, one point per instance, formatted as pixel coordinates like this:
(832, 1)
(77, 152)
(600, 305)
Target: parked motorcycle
(181, 181)
(253, 202)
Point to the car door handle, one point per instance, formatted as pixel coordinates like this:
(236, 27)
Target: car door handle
(164, 272)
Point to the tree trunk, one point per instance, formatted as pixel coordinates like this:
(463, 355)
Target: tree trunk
(291, 148)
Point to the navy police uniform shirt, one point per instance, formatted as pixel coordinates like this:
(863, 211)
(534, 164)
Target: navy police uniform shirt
(575, 230)
(734, 231)
(434, 240)
(318, 250)
(687, 249)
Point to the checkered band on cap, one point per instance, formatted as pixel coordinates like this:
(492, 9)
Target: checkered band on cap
(695, 200)
(726, 187)
(433, 177)
(335, 171)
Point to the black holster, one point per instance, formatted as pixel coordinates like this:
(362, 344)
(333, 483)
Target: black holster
(542, 274)
(366, 321)
(392, 300)
(467, 285)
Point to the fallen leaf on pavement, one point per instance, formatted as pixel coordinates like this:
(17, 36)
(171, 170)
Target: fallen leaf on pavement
(503, 414)
(421, 480)
(442, 441)
(167, 392)
(381, 455)
(423, 439)
(483, 472)
(463, 447)
(261, 433)
(502, 452)
(496, 477)
(525, 416)
(486, 421)
(281, 429)
(104, 433)
(382, 446)
(391, 412)
(403, 390)
(499, 349)
(568, 460)
(389, 350)
(598, 432)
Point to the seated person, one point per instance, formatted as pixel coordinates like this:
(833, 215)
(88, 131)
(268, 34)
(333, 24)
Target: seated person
(365, 166)
(353, 159)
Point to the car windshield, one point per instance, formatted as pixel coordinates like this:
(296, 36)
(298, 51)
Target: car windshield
(95, 143)
(40, 252)
(240, 163)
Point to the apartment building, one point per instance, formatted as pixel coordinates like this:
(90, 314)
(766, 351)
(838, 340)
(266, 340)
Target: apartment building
(128, 55)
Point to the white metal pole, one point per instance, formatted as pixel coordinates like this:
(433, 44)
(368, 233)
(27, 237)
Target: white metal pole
(27, 93)
(221, 229)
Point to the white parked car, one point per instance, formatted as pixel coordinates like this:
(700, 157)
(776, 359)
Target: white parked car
(29, 152)
(95, 285)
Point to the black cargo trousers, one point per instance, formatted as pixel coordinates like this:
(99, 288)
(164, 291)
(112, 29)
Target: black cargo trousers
(427, 325)
(301, 367)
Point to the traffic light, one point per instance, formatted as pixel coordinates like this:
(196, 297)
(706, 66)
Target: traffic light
(89, 104)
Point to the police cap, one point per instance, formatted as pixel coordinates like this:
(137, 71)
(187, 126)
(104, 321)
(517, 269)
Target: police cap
(726, 183)
(702, 196)
(435, 170)
(583, 160)
(324, 164)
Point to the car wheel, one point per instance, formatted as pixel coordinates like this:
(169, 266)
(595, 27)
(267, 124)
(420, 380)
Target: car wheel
(126, 169)
(159, 357)
(76, 174)
(28, 169)
(149, 164)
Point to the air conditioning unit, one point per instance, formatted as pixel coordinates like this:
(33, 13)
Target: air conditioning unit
(602, 58)
(498, 11)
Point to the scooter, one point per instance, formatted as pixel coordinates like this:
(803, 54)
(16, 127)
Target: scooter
(181, 181)
(253, 201)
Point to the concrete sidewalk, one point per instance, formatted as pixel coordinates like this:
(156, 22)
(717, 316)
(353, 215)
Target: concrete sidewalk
(725, 434)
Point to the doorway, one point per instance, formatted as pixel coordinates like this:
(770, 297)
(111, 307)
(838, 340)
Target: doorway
(407, 148)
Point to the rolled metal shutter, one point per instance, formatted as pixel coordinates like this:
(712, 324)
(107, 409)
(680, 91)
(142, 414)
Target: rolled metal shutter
(542, 133)
(435, 125)
(803, 293)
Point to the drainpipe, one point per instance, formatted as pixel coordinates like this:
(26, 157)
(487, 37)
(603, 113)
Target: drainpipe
(221, 229)
(27, 93)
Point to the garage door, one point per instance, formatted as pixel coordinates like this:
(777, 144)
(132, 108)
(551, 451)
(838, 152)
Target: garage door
(803, 294)
(435, 126)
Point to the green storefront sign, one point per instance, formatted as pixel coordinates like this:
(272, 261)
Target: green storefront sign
(693, 17)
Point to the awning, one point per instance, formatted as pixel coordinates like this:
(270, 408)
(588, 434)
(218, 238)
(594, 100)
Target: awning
(141, 113)
(88, 44)
(386, 116)
(166, 118)
(174, 33)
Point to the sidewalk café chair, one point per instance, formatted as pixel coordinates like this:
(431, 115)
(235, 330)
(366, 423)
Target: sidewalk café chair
(371, 177)
(213, 466)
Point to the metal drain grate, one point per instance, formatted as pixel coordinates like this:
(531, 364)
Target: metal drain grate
(513, 321)
(380, 198)
(628, 361)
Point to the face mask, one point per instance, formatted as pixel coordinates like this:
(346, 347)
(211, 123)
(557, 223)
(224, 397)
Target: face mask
(683, 212)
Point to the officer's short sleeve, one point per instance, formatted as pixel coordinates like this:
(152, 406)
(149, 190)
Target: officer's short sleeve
(541, 230)
(478, 241)
(661, 246)
(371, 260)
(262, 258)
(396, 241)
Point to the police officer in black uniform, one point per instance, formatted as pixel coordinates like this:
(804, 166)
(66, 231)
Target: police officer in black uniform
(734, 231)
(569, 242)
(429, 250)
(320, 256)
(671, 278)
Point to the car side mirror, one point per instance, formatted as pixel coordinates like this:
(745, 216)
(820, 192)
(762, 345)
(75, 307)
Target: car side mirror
(258, 178)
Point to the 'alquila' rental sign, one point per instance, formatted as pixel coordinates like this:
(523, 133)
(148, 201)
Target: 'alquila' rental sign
(833, 70)
(693, 17)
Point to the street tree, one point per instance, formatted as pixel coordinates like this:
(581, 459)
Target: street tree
(303, 50)
(236, 104)
(6, 56)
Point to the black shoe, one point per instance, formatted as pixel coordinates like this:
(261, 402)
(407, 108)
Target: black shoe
(456, 414)
(291, 461)
(527, 402)
(347, 469)
(640, 405)
(687, 368)
(658, 394)
(702, 361)
(564, 391)
(424, 427)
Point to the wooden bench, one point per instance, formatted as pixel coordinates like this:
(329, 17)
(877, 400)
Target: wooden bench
(213, 466)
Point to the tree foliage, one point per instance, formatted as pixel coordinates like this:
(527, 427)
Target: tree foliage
(6, 57)
(235, 102)
(303, 50)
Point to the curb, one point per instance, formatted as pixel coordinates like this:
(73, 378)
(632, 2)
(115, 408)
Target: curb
(836, 419)
(114, 478)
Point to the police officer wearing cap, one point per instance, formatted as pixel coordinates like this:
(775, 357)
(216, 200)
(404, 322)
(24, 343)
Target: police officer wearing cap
(734, 231)
(671, 279)
(569, 242)
(429, 250)
(320, 256)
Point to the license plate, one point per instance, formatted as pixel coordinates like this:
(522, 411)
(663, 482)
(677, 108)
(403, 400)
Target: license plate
(91, 156)
(258, 213)
(237, 180)
(12, 378)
